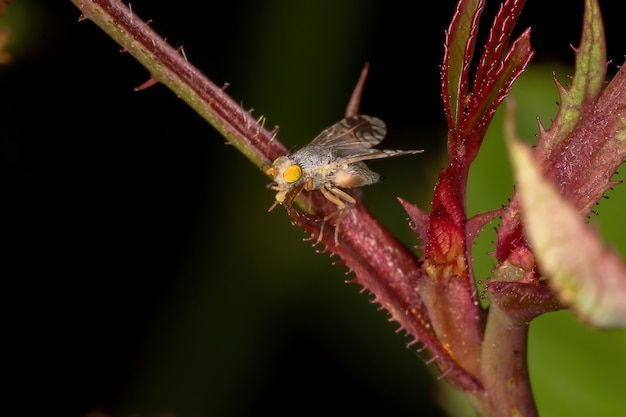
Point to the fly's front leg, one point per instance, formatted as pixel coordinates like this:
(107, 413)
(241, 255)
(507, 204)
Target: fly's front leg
(290, 196)
(308, 186)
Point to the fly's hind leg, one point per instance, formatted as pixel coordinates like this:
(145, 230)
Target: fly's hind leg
(344, 203)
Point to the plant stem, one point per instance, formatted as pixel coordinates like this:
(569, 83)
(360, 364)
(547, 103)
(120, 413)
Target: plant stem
(504, 368)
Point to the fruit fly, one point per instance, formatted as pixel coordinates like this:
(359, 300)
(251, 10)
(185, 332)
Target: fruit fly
(332, 161)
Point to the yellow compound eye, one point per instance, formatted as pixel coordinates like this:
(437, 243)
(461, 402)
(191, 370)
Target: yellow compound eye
(292, 173)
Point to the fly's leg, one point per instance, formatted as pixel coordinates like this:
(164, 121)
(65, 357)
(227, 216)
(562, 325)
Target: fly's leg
(291, 196)
(308, 185)
(344, 203)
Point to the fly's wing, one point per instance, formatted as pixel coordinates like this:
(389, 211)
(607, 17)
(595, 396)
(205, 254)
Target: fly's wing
(353, 139)
(353, 135)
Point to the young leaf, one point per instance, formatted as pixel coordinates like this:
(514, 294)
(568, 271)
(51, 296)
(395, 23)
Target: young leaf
(585, 276)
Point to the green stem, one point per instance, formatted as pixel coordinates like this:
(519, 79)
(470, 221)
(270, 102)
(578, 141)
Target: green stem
(504, 369)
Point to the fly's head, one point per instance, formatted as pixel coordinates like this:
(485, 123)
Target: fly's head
(288, 179)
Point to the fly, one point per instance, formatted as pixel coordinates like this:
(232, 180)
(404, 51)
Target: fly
(331, 162)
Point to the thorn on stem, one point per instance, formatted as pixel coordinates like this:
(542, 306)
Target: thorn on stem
(355, 98)
(147, 84)
(431, 360)
(182, 52)
(274, 132)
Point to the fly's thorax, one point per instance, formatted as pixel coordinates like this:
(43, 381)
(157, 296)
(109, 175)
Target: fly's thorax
(311, 157)
(317, 163)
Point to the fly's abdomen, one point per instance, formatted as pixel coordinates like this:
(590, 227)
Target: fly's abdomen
(354, 175)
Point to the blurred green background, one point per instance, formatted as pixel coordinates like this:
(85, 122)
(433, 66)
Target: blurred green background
(143, 273)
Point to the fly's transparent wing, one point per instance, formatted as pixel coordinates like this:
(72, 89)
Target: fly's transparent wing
(353, 139)
(354, 135)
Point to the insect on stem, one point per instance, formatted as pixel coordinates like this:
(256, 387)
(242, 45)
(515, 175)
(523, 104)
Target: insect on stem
(331, 162)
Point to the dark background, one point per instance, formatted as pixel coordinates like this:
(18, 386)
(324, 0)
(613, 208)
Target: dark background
(142, 272)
